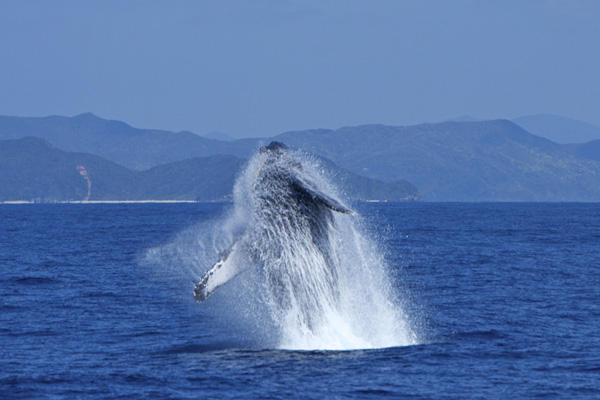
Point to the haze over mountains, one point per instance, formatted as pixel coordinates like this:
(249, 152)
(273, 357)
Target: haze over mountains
(450, 161)
(556, 128)
(32, 169)
(559, 129)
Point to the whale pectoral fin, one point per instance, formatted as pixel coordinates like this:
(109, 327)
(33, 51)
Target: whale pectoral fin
(323, 198)
(330, 203)
(223, 271)
(201, 290)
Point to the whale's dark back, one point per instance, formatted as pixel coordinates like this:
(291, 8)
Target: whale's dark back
(292, 234)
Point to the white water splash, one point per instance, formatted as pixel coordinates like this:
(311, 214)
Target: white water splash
(330, 295)
(299, 293)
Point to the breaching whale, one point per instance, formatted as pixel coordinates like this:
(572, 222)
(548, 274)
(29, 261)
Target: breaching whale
(289, 235)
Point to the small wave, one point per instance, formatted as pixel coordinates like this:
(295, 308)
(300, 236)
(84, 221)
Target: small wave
(193, 348)
(36, 280)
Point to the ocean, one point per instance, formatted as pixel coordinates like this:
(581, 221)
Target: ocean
(500, 300)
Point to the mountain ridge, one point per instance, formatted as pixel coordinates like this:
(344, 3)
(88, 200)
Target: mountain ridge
(32, 169)
(461, 161)
(493, 160)
(559, 129)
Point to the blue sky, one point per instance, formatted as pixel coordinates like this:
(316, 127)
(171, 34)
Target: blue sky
(258, 68)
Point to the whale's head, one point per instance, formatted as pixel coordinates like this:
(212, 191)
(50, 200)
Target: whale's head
(282, 172)
(278, 155)
(275, 148)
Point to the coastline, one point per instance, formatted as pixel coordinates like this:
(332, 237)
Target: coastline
(99, 202)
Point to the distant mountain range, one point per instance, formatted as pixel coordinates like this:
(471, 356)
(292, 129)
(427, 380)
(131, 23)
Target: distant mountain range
(219, 136)
(450, 161)
(134, 148)
(559, 129)
(32, 169)
(553, 127)
(589, 150)
(461, 161)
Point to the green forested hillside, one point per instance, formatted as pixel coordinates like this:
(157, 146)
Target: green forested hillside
(116, 141)
(460, 161)
(589, 150)
(449, 161)
(31, 169)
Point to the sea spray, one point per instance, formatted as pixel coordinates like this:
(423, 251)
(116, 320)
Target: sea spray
(306, 284)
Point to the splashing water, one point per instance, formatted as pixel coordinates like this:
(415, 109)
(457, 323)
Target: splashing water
(309, 278)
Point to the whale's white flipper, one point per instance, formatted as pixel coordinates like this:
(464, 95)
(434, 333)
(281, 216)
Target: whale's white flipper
(225, 269)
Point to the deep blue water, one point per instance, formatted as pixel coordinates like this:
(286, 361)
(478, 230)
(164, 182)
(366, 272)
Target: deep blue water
(505, 298)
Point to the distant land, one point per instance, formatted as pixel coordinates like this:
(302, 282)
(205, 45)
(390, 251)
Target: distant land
(31, 169)
(134, 148)
(559, 129)
(469, 160)
(463, 118)
(553, 127)
(219, 136)
(589, 150)
(461, 161)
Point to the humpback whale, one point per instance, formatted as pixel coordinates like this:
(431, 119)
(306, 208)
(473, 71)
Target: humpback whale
(289, 235)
